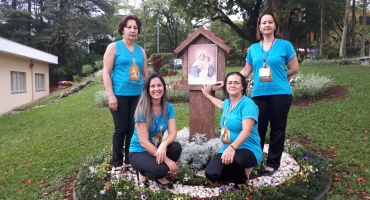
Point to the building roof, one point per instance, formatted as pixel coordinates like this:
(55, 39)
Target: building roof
(206, 33)
(14, 48)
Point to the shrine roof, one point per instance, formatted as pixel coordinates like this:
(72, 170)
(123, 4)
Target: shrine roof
(206, 33)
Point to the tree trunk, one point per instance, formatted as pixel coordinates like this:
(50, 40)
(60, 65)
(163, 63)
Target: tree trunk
(363, 28)
(342, 49)
(321, 29)
(284, 23)
(353, 24)
(14, 4)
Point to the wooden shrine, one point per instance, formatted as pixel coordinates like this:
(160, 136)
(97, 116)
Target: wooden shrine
(203, 56)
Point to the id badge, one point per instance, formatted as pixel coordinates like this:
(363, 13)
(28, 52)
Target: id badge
(265, 74)
(225, 136)
(157, 139)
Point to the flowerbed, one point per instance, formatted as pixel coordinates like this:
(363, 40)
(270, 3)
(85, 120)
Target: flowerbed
(302, 175)
(67, 83)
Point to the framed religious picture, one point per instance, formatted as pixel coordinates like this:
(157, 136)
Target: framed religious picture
(202, 63)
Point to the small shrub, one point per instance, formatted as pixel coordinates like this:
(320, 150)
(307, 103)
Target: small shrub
(270, 190)
(177, 95)
(98, 64)
(102, 98)
(156, 61)
(76, 78)
(87, 69)
(165, 69)
(99, 73)
(344, 61)
(332, 54)
(310, 85)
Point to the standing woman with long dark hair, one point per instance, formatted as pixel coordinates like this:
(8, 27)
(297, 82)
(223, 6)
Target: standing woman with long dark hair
(271, 92)
(124, 71)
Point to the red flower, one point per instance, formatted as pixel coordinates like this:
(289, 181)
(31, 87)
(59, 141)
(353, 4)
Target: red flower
(336, 179)
(362, 180)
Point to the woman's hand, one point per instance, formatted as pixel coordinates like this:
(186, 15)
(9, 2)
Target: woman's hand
(160, 154)
(228, 156)
(220, 84)
(113, 103)
(171, 165)
(206, 90)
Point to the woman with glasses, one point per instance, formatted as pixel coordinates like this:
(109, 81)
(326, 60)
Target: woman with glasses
(241, 143)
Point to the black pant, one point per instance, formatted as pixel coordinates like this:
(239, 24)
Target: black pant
(123, 120)
(273, 109)
(147, 164)
(235, 173)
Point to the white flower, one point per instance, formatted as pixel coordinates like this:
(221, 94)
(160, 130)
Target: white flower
(92, 169)
(119, 193)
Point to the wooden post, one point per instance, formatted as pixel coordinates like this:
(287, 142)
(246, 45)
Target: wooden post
(202, 115)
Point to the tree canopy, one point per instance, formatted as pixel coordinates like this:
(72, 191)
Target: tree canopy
(78, 31)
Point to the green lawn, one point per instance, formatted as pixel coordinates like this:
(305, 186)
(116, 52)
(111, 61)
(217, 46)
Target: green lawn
(41, 147)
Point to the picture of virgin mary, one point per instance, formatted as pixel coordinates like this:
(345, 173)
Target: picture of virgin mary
(202, 63)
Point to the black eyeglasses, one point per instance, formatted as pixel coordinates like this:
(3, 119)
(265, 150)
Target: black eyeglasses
(235, 83)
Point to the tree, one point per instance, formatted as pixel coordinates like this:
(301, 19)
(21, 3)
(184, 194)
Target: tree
(353, 24)
(283, 8)
(171, 21)
(214, 10)
(364, 10)
(229, 35)
(173, 28)
(60, 27)
(322, 28)
(342, 49)
(289, 13)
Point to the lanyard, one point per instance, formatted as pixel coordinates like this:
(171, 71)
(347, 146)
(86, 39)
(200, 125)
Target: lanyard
(156, 123)
(263, 55)
(228, 112)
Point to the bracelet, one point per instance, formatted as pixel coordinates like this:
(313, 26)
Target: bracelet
(232, 147)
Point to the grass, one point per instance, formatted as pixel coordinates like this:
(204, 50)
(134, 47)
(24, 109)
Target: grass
(42, 147)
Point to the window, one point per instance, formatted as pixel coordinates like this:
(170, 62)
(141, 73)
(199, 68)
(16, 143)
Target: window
(39, 82)
(18, 80)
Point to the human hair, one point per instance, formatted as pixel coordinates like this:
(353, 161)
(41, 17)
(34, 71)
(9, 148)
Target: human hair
(259, 35)
(244, 83)
(123, 23)
(144, 107)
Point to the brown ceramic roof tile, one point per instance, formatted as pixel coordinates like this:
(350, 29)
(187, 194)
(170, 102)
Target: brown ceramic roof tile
(206, 33)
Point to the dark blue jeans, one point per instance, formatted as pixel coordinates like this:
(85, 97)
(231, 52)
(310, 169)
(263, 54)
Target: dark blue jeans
(235, 173)
(123, 120)
(147, 164)
(273, 109)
